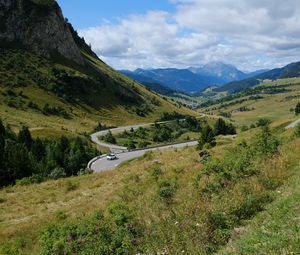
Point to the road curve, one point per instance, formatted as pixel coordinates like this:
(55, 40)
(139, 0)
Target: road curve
(113, 147)
(117, 148)
(102, 164)
(293, 124)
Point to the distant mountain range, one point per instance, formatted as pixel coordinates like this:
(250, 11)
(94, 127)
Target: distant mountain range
(192, 79)
(288, 71)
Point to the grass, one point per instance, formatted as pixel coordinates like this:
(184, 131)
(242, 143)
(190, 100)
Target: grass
(276, 107)
(31, 79)
(29, 209)
(277, 229)
(144, 137)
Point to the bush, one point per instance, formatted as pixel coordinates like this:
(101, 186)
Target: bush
(297, 130)
(85, 171)
(117, 233)
(131, 145)
(165, 116)
(297, 109)
(109, 138)
(207, 137)
(36, 178)
(263, 122)
(244, 128)
(57, 173)
(252, 204)
(155, 172)
(71, 186)
(265, 143)
(166, 190)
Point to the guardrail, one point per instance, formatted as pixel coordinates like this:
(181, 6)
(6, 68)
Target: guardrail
(92, 161)
(163, 145)
(89, 165)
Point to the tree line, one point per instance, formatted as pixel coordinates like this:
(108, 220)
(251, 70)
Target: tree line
(27, 160)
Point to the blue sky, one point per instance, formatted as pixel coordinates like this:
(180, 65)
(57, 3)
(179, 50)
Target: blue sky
(129, 34)
(90, 13)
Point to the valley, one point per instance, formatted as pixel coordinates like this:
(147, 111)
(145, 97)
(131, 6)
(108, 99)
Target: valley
(204, 158)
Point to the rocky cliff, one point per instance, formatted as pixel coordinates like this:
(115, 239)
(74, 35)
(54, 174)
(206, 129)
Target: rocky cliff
(38, 25)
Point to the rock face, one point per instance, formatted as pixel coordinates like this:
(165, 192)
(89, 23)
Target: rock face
(39, 26)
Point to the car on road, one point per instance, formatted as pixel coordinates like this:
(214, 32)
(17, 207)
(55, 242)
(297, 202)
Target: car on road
(111, 156)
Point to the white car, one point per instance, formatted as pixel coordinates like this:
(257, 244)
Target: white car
(111, 157)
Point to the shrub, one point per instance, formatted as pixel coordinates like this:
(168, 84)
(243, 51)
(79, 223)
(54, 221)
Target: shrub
(252, 204)
(131, 145)
(36, 178)
(155, 172)
(117, 233)
(165, 116)
(109, 138)
(265, 143)
(57, 173)
(263, 122)
(220, 225)
(207, 137)
(244, 128)
(167, 189)
(71, 186)
(297, 130)
(297, 109)
(85, 171)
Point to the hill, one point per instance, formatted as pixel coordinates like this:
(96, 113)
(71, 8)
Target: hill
(170, 201)
(223, 73)
(190, 80)
(272, 100)
(289, 71)
(51, 80)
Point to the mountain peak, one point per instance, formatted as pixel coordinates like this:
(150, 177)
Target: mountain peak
(219, 64)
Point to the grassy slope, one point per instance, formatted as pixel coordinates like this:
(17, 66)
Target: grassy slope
(274, 107)
(104, 106)
(277, 229)
(28, 209)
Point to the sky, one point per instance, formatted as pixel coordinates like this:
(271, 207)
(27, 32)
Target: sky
(130, 34)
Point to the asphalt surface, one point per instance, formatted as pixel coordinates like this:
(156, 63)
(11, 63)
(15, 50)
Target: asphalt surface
(293, 124)
(116, 148)
(103, 164)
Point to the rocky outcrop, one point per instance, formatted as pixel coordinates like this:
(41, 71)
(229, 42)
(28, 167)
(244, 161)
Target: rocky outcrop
(38, 25)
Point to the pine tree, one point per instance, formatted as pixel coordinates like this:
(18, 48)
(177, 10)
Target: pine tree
(220, 127)
(207, 136)
(2, 144)
(25, 137)
(297, 109)
(3, 171)
(19, 162)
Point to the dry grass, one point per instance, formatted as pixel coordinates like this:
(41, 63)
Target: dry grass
(274, 107)
(26, 208)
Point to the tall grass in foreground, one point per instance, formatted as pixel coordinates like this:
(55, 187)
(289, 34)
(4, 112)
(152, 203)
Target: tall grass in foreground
(172, 209)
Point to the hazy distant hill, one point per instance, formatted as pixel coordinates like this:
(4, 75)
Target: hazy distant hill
(192, 79)
(289, 71)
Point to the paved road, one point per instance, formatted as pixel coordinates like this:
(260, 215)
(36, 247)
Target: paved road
(116, 148)
(103, 164)
(293, 124)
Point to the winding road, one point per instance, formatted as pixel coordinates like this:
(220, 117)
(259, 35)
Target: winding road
(293, 124)
(101, 164)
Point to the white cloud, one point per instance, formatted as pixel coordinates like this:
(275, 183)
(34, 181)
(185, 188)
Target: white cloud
(238, 32)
